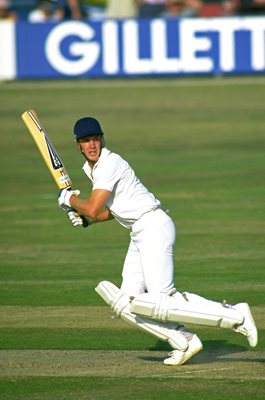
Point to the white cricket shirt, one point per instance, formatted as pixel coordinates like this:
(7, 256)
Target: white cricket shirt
(129, 198)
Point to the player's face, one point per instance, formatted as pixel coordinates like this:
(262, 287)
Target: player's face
(90, 146)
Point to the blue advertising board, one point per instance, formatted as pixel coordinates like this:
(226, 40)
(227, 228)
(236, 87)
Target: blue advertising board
(133, 47)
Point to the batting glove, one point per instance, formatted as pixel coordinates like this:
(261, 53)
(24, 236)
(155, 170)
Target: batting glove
(64, 198)
(76, 219)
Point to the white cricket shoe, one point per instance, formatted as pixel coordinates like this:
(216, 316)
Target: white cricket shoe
(248, 327)
(178, 357)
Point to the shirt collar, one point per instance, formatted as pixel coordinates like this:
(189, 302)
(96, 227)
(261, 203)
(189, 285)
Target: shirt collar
(86, 167)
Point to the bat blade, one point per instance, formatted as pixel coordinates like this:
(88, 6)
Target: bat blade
(47, 150)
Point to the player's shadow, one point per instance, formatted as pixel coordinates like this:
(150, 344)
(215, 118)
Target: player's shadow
(213, 351)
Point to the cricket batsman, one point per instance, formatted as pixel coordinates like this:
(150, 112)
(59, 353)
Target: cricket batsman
(147, 297)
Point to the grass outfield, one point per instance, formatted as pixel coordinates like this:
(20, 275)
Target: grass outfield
(198, 145)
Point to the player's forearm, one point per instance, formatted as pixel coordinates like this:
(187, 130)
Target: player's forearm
(104, 215)
(91, 212)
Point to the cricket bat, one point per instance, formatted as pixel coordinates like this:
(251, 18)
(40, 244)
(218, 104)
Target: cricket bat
(48, 152)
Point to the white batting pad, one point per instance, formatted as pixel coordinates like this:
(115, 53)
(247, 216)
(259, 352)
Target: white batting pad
(186, 308)
(121, 304)
(107, 290)
(165, 332)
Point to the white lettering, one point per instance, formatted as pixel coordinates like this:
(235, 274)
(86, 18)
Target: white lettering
(7, 50)
(86, 51)
(159, 42)
(227, 28)
(110, 47)
(132, 63)
(257, 47)
(190, 44)
(200, 51)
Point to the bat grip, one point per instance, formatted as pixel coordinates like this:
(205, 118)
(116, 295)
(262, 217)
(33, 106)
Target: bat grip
(85, 222)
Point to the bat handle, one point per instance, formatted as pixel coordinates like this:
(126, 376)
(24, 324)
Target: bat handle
(85, 222)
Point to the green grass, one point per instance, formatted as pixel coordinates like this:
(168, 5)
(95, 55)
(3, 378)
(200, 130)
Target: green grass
(91, 388)
(198, 144)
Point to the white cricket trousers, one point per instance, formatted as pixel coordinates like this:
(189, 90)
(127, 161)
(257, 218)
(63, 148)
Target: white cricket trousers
(149, 264)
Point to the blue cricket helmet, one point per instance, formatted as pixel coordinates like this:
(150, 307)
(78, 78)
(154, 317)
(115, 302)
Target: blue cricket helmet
(87, 126)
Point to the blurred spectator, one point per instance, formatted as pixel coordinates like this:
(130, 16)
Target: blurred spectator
(71, 8)
(229, 8)
(46, 10)
(211, 9)
(252, 7)
(182, 8)
(121, 9)
(172, 8)
(150, 8)
(6, 11)
(191, 8)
